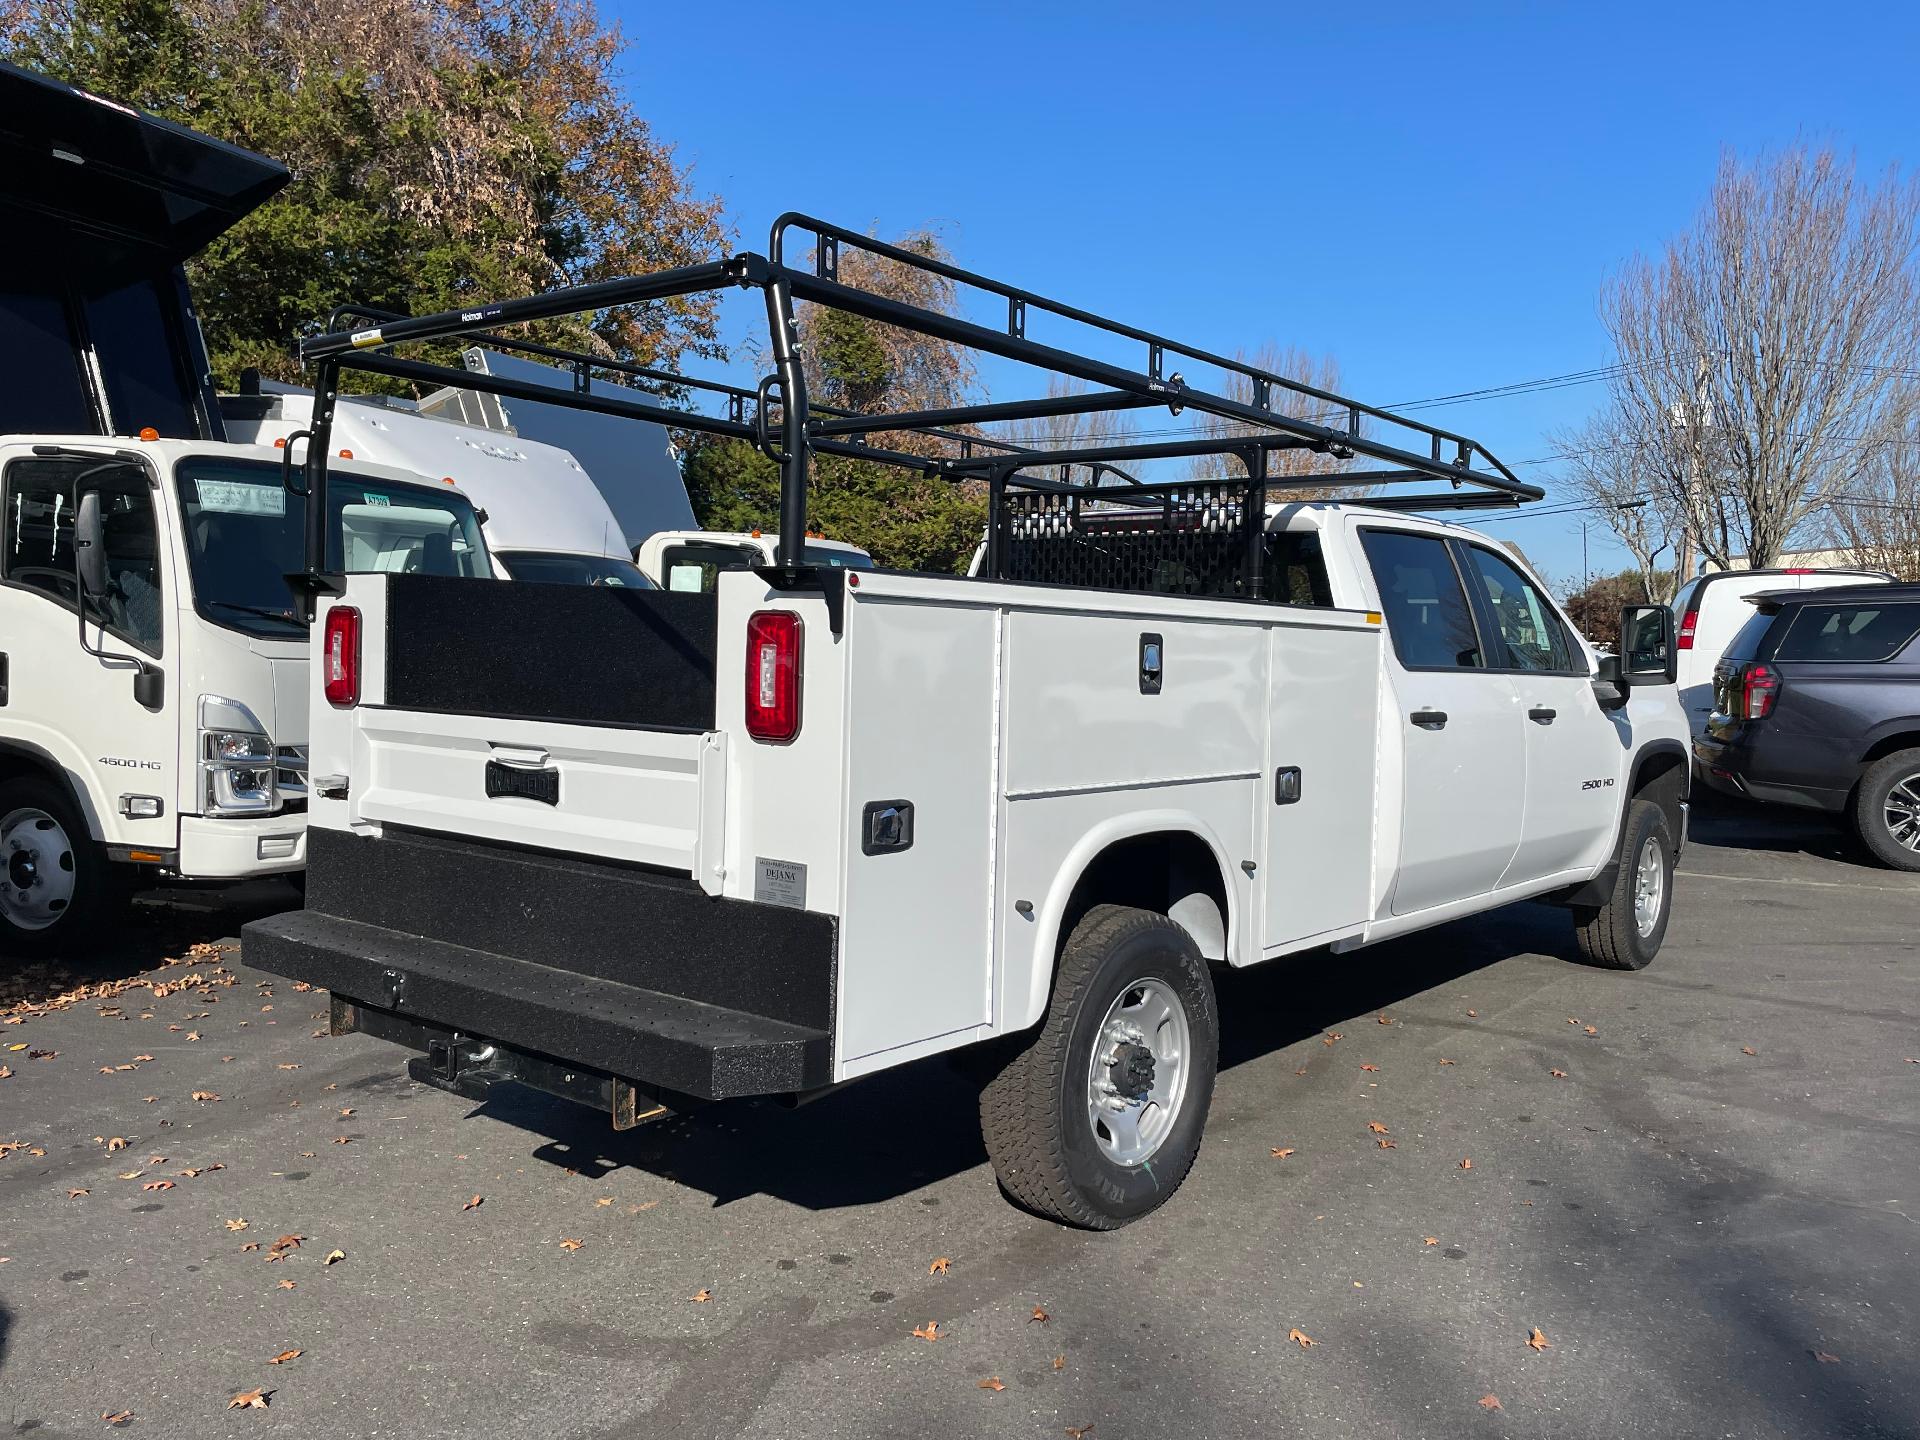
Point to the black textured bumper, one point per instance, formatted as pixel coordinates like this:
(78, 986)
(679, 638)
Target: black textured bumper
(636, 975)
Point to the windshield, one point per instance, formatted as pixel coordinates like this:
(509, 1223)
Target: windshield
(557, 567)
(245, 534)
(839, 559)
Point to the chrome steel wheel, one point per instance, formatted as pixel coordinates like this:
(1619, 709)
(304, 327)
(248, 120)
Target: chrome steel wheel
(1649, 886)
(1902, 811)
(37, 886)
(1137, 1080)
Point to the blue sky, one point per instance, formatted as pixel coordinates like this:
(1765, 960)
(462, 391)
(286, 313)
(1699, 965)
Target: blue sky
(1432, 193)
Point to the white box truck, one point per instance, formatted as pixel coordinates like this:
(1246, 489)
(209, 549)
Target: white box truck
(668, 848)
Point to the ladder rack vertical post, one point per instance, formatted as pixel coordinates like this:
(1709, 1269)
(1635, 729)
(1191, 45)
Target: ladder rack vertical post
(783, 331)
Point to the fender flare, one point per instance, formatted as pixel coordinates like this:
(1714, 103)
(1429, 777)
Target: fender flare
(1089, 847)
(1596, 890)
(48, 765)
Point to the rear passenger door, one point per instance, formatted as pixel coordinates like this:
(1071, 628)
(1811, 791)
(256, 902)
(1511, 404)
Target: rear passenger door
(1575, 751)
(1463, 777)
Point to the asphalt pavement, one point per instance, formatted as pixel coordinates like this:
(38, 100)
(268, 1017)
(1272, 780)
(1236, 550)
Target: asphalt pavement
(1707, 1218)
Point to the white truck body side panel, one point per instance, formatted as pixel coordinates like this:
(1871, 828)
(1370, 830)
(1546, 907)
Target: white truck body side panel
(1316, 861)
(916, 937)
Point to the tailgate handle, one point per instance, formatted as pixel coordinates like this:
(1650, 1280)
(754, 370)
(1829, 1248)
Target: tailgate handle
(1429, 719)
(523, 782)
(1540, 715)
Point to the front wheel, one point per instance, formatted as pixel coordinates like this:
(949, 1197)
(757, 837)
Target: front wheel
(1625, 932)
(57, 888)
(1098, 1119)
(1886, 810)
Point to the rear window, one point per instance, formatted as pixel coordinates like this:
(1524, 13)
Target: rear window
(1849, 634)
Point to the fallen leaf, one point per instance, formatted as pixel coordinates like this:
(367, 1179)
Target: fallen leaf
(1591, 1030)
(1059, 1362)
(928, 1332)
(193, 1034)
(1431, 1240)
(1370, 1069)
(205, 1095)
(571, 1244)
(1558, 1074)
(18, 1045)
(1824, 1358)
(343, 1139)
(1747, 1050)
(1386, 1144)
(1445, 1061)
(1376, 1127)
(604, 1200)
(250, 1400)
(700, 1297)
(249, 1246)
(156, 1159)
(475, 1203)
(148, 1099)
(116, 1143)
(1301, 1338)
(43, 1054)
(1331, 1036)
(236, 1224)
(1280, 1153)
(131, 1174)
(291, 1066)
(1076, 1432)
(992, 1382)
(76, 1194)
(1537, 1340)
(6, 1072)
(1473, 1014)
(158, 1185)
(940, 1266)
(346, 1112)
(1572, 1021)
(1467, 1164)
(301, 986)
(333, 1256)
(287, 1284)
(1384, 1019)
(288, 1242)
(1491, 1402)
(647, 1205)
(284, 1356)
(1300, 1071)
(1038, 1315)
(116, 1418)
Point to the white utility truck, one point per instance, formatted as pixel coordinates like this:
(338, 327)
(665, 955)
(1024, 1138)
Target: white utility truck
(153, 668)
(663, 848)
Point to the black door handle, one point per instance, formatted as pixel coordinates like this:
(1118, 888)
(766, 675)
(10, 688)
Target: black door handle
(1541, 716)
(1429, 719)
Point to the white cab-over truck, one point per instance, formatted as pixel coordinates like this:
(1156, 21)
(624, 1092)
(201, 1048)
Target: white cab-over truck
(657, 849)
(153, 672)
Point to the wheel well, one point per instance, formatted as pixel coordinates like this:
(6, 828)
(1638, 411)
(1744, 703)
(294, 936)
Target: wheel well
(1173, 872)
(17, 763)
(1663, 777)
(1888, 744)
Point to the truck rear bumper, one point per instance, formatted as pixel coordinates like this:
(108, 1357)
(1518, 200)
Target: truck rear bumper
(632, 974)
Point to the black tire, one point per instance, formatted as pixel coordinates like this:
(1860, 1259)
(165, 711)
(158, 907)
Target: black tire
(45, 850)
(1035, 1113)
(1887, 783)
(1614, 936)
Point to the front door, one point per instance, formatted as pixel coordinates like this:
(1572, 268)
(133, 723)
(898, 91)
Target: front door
(1463, 784)
(1574, 748)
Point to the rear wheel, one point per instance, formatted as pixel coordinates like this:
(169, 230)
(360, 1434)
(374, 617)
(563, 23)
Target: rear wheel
(1098, 1119)
(1625, 932)
(57, 887)
(1886, 810)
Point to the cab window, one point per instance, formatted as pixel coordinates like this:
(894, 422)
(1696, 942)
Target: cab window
(1423, 600)
(36, 543)
(1527, 627)
(1294, 571)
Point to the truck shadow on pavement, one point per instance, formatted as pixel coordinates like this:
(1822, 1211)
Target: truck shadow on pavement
(882, 1138)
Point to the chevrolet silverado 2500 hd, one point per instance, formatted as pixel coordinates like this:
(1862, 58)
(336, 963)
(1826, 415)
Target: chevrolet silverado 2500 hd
(650, 849)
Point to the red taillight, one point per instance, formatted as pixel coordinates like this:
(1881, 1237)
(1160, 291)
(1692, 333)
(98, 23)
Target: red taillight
(1759, 688)
(1687, 624)
(773, 676)
(340, 656)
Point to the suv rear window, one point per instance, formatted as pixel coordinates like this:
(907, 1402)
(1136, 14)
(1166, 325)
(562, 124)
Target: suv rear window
(1745, 645)
(1849, 634)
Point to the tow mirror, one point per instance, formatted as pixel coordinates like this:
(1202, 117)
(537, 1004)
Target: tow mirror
(1648, 655)
(90, 545)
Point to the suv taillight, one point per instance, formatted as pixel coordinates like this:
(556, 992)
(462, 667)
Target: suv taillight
(340, 656)
(1687, 624)
(1759, 688)
(773, 676)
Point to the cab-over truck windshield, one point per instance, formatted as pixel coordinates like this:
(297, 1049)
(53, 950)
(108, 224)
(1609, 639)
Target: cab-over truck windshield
(245, 535)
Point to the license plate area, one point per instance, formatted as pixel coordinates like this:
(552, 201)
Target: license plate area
(524, 782)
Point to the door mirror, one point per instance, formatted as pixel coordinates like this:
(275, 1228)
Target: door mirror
(1648, 655)
(90, 546)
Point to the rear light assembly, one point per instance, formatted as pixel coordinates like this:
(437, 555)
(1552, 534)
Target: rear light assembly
(1759, 688)
(773, 676)
(1688, 623)
(340, 657)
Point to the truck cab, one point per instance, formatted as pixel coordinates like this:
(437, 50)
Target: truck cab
(153, 666)
(694, 559)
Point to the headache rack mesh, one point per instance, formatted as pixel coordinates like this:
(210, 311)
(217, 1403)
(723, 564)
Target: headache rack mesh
(1200, 538)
